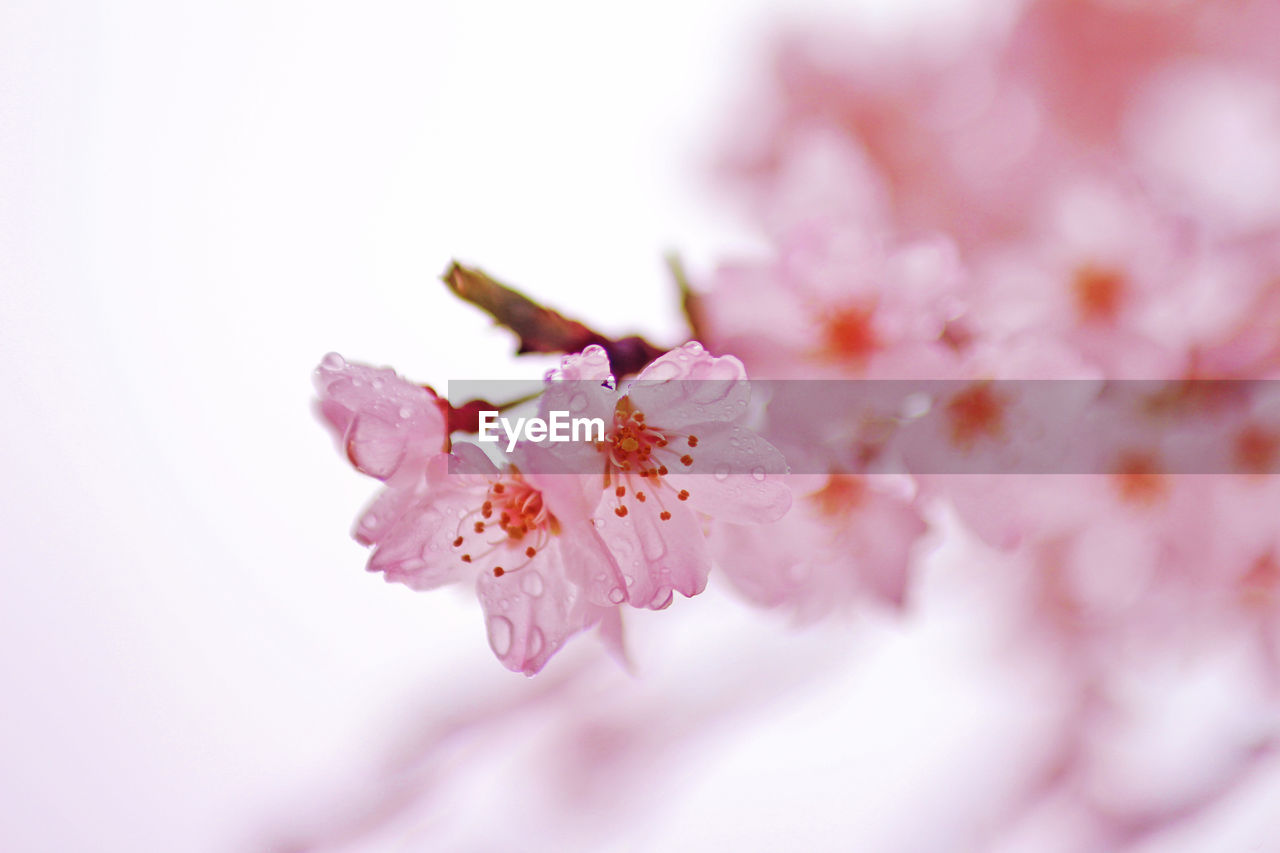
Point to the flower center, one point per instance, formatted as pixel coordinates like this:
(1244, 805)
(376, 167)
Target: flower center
(974, 413)
(1139, 480)
(637, 459)
(1098, 293)
(848, 334)
(513, 523)
(842, 494)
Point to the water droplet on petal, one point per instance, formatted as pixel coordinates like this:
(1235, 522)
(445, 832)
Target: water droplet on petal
(499, 635)
(598, 522)
(722, 472)
(797, 572)
(406, 412)
(377, 384)
(661, 370)
(532, 584)
(333, 361)
(662, 599)
(628, 579)
(617, 596)
(757, 473)
(651, 543)
(536, 642)
(370, 520)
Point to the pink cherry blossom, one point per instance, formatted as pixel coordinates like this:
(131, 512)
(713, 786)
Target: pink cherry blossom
(524, 538)
(674, 453)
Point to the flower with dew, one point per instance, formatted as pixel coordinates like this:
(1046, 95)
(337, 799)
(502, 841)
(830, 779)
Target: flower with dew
(674, 453)
(388, 428)
(525, 538)
(442, 518)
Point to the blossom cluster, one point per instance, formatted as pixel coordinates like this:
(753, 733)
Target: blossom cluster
(551, 548)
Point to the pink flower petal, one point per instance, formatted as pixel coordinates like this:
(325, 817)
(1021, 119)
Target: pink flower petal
(380, 418)
(530, 613)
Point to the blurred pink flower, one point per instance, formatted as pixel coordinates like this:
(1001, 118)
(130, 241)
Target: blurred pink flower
(837, 303)
(845, 541)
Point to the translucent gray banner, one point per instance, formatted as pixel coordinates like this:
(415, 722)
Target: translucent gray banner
(718, 427)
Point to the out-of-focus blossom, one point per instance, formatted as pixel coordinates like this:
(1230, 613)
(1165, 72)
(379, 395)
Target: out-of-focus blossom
(845, 540)
(838, 303)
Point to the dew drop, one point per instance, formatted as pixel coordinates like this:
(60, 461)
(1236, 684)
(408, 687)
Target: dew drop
(370, 520)
(536, 642)
(651, 543)
(499, 634)
(722, 472)
(406, 412)
(662, 599)
(377, 384)
(532, 584)
(617, 596)
(661, 371)
(757, 473)
(598, 522)
(797, 572)
(628, 580)
(333, 361)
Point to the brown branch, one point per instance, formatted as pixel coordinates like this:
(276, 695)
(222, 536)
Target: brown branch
(540, 329)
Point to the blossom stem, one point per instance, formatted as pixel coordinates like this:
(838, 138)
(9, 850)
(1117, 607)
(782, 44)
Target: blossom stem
(690, 301)
(541, 329)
